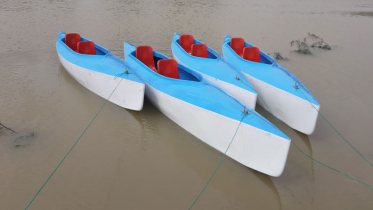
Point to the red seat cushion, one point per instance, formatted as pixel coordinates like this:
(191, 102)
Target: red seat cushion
(251, 54)
(237, 44)
(168, 68)
(186, 42)
(71, 40)
(199, 50)
(86, 47)
(145, 55)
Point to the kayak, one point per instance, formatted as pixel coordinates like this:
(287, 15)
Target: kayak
(286, 97)
(213, 67)
(100, 71)
(207, 112)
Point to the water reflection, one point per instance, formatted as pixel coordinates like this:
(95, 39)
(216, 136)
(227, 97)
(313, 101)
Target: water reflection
(300, 139)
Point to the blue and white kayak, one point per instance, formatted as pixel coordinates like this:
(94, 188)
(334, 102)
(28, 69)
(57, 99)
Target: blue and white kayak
(213, 67)
(205, 111)
(100, 71)
(287, 98)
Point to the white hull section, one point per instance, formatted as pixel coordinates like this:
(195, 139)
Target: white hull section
(298, 113)
(251, 147)
(129, 94)
(245, 97)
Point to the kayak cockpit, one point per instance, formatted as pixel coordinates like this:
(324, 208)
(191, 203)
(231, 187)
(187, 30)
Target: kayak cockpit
(82, 45)
(248, 51)
(163, 65)
(196, 48)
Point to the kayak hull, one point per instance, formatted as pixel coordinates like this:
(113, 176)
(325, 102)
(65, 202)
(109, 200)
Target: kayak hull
(251, 146)
(216, 71)
(296, 112)
(101, 75)
(213, 117)
(129, 94)
(247, 97)
(280, 92)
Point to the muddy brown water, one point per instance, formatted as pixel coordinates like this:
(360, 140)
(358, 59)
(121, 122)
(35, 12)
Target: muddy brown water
(142, 160)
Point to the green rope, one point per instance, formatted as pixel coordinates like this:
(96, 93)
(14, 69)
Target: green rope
(331, 167)
(278, 123)
(338, 131)
(323, 164)
(222, 158)
(73, 146)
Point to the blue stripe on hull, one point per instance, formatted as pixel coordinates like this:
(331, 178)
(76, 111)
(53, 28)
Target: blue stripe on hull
(216, 67)
(107, 63)
(271, 73)
(197, 93)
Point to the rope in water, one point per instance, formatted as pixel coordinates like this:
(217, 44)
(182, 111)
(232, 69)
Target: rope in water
(63, 159)
(323, 164)
(322, 117)
(7, 128)
(331, 167)
(337, 131)
(277, 121)
(221, 160)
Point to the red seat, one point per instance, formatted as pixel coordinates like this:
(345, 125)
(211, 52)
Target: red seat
(237, 44)
(186, 42)
(168, 68)
(251, 54)
(71, 40)
(145, 55)
(86, 47)
(199, 50)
